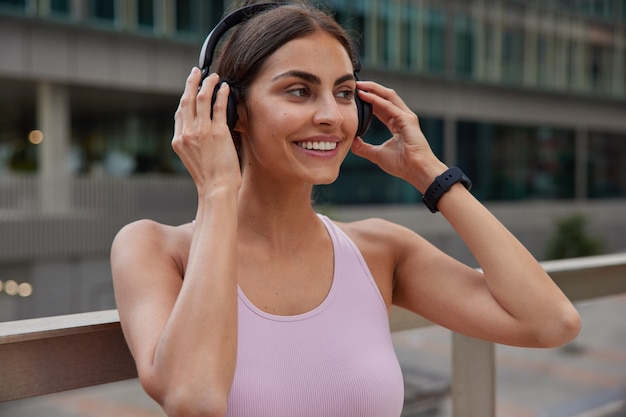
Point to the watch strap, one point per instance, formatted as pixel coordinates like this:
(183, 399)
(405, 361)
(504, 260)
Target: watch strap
(442, 184)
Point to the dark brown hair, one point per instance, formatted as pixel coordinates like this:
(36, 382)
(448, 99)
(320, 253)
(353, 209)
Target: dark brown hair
(253, 41)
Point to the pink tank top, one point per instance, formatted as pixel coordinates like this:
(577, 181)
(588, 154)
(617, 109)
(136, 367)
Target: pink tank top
(335, 360)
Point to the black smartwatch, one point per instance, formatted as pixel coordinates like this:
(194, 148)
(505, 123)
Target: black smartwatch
(442, 184)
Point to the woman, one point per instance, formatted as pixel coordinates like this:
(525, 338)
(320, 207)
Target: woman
(261, 307)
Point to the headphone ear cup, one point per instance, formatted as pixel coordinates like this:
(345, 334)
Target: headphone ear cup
(364, 111)
(231, 107)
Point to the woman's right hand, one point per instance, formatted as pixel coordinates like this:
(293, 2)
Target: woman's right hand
(205, 146)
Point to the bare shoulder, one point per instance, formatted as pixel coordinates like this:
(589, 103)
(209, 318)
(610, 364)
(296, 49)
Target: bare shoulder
(150, 232)
(150, 243)
(381, 233)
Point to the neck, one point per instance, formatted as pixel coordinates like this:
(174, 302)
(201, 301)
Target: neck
(278, 213)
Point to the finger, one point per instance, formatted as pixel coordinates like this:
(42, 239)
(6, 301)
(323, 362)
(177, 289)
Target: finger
(205, 98)
(382, 108)
(178, 123)
(388, 94)
(187, 104)
(221, 104)
(365, 150)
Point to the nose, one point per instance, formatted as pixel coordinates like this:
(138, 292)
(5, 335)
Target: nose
(328, 111)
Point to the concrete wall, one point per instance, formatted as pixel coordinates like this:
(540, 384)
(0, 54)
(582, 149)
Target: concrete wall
(68, 54)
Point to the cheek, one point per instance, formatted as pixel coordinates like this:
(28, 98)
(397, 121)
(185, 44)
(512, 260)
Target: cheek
(264, 115)
(351, 120)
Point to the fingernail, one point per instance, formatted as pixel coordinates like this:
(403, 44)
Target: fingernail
(194, 70)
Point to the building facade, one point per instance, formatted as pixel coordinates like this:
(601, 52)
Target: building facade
(527, 97)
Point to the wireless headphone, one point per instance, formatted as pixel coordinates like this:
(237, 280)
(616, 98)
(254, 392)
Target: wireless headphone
(233, 19)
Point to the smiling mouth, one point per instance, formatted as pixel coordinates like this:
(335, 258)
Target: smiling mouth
(318, 146)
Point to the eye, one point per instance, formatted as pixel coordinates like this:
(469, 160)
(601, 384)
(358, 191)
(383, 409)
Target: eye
(346, 94)
(299, 92)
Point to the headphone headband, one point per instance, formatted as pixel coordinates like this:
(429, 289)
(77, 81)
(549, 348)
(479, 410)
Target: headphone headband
(231, 20)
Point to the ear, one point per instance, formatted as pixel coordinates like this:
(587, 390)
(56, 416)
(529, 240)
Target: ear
(242, 119)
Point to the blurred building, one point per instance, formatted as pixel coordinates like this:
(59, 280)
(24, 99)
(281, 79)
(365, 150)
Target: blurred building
(527, 97)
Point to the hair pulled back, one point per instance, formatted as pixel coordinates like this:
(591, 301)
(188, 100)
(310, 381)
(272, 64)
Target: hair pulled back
(250, 43)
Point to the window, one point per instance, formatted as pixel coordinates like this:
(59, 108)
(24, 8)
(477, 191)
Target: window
(216, 10)
(516, 162)
(602, 8)
(435, 41)
(187, 13)
(512, 55)
(384, 50)
(13, 5)
(463, 46)
(607, 165)
(599, 68)
(145, 13)
(60, 7)
(101, 11)
(409, 37)
(123, 144)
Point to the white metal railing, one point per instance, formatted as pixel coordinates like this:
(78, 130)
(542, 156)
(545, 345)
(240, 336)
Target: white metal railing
(41, 356)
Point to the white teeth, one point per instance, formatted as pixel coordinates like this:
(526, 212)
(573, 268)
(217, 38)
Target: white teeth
(319, 146)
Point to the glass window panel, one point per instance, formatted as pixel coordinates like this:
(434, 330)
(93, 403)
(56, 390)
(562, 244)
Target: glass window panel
(543, 71)
(102, 10)
(183, 16)
(602, 8)
(13, 5)
(409, 37)
(187, 16)
(514, 162)
(607, 165)
(512, 55)
(624, 73)
(463, 46)
(123, 144)
(13, 2)
(435, 40)
(570, 66)
(216, 10)
(384, 51)
(600, 68)
(145, 13)
(487, 43)
(60, 6)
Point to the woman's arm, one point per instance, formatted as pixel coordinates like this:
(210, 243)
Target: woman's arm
(512, 300)
(181, 321)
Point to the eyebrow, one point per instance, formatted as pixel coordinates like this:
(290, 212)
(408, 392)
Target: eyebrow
(311, 78)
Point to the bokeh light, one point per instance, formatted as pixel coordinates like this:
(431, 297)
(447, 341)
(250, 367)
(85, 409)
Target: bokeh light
(10, 287)
(35, 137)
(24, 289)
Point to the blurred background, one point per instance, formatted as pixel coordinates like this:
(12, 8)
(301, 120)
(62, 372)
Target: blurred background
(527, 97)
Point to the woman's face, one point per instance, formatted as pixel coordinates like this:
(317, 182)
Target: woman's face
(300, 117)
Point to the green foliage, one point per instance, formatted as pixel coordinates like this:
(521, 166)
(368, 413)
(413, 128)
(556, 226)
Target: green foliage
(571, 239)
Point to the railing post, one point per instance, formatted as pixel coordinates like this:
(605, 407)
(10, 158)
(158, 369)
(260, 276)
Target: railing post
(473, 377)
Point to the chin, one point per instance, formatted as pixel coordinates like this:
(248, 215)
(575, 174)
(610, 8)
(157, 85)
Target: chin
(326, 180)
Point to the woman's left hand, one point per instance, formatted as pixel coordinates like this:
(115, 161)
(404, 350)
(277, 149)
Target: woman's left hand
(406, 154)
